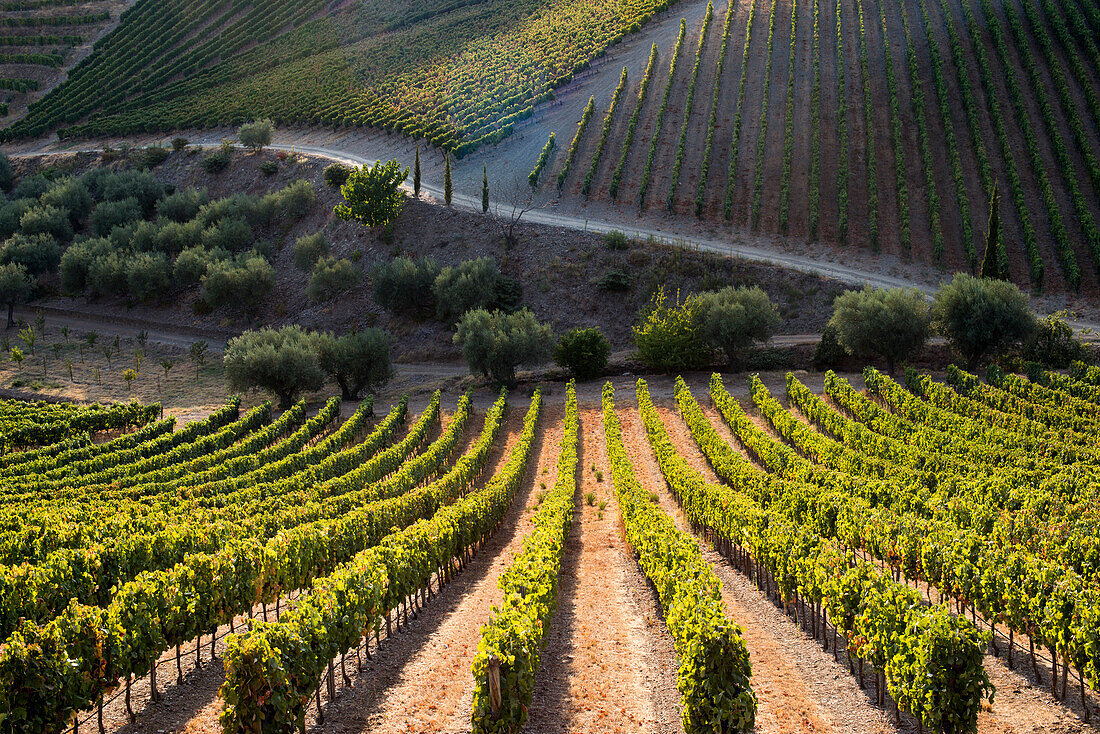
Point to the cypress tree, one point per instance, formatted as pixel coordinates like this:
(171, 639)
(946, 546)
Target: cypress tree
(416, 173)
(484, 189)
(991, 261)
(448, 187)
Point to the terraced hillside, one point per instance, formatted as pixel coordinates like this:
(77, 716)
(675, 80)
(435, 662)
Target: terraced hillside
(871, 124)
(482, 572)
(457, 73)
(41, 39)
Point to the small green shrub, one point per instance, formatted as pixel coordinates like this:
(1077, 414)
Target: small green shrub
(1053, 343)
(153, 156)
(584, 352)
(331, 277)
(309, 249)
(77, 261)
(405, 285)
(614, 281)
(215, 162)
(133, 184)
(179, 144)
(10, 214)
(31, 187)
(473, 284)
(667, 336)
(191, 265)
(733, 319)
(828, 353)
(256, 135)
(50, 220)
(110, 214)
(233, 235)
(107, 275)
(336, 174)
(291, 202)
(71, 195)
(269, 168)
(616, 240)
(244, 281)
(182, 206)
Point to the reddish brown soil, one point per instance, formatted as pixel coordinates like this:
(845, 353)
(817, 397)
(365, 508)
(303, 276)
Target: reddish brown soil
(608, 665)
(922, 249)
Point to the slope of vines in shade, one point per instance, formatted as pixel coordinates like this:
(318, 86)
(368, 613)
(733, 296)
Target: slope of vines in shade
(515, 635)
(608, 119)
(273, 669)
(38, 38)
(714, 673)
(632, 125)
(916, 93)
(788, 127)
(1080, 74)
(796, 538)
(647, 172)
(738, 115)
(1058, 229)
(814, 196)
(715, 103)
(681, 147)
(950, 139)
(869, 132)
(567, 165)
(905, 231)
(843, 165)
(762, 135)
(458, 75)
(993, 110)
(1069, 108)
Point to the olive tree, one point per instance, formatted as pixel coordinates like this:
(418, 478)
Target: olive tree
(331, 277)
(496, 343)
(15, 286)
(733, 319)
(282, 362)
(357, 361)
(891, 324)
(256, 135)
(244, 281)
(373, 196)
(38, 253)
(473, 284)
(404, 284)
(980, 315)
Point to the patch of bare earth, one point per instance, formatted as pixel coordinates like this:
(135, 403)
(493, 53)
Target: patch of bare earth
(608, 665)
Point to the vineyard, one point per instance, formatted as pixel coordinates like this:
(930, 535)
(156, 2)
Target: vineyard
(890, 127)
(40, 38)
(459, 74)
(918, 539)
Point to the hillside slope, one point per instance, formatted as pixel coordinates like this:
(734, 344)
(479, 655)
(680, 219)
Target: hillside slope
(458, 73)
